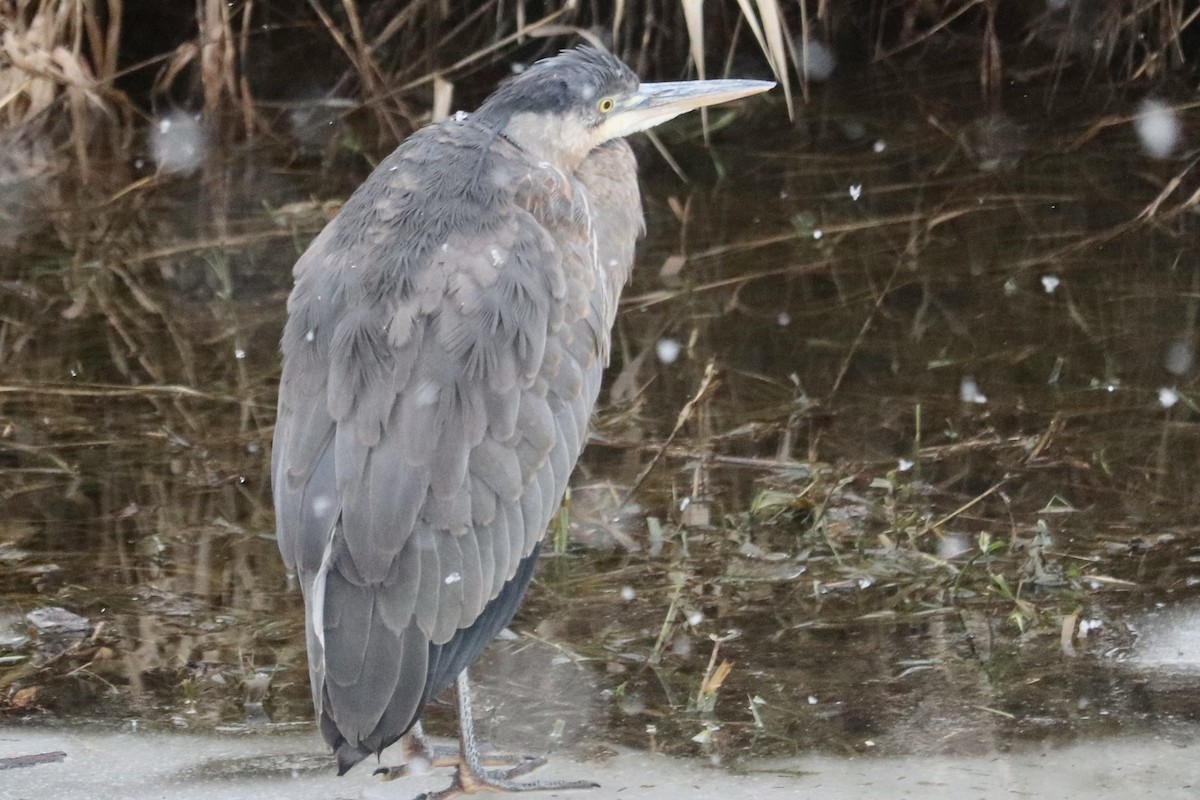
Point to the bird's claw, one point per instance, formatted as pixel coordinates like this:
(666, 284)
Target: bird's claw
(501, 781)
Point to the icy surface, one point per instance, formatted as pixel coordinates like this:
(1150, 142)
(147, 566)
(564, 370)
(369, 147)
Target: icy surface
(1169, 638)
(102, 765)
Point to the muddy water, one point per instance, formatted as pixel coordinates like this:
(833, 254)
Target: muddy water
(895, 457)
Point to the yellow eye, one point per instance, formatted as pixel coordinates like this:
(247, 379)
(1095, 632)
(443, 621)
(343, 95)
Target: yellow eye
(606, 105)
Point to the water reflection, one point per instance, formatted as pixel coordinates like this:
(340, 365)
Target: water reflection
(884, 464)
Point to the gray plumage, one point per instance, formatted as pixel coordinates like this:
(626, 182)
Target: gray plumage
(443, 352)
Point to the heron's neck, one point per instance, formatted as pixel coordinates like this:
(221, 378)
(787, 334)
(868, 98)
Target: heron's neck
(549, 138)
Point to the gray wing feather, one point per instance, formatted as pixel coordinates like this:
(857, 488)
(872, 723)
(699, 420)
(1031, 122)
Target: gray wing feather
(429, 593)
(483, 504)
(536, 424)
(404, 584)
(375, 654)
(487, 561)
(447, 602)
(473, 598)
(344, 664)
(517, 534)
(501, 556)
(497, 467)
(542, 491)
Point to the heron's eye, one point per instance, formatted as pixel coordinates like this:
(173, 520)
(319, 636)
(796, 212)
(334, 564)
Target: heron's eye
(606, 105)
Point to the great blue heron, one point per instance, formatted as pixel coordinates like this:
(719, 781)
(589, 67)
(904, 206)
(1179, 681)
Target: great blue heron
(442, 355)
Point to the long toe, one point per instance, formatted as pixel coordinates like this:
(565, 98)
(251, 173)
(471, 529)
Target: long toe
(500, 782)
(434, 757)
(517, 765)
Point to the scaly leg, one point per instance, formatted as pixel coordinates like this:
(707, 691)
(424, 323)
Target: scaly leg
(471, 777)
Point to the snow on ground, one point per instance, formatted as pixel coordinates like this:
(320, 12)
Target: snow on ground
(103, 765)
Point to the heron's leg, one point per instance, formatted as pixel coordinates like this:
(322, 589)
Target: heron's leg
(471, 777)
(422, 755)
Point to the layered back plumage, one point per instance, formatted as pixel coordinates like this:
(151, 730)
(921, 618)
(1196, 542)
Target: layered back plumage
(443, 353)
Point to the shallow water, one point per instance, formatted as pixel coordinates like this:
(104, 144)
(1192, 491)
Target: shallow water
(934, 498)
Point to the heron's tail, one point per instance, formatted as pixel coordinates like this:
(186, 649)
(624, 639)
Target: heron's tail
(347, 754)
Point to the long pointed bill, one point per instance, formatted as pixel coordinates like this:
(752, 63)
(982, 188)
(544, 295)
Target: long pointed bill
(655, 103)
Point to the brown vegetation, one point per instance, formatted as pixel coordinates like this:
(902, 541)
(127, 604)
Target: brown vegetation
(75, 63)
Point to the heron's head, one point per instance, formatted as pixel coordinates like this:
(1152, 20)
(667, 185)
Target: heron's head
(562, 108)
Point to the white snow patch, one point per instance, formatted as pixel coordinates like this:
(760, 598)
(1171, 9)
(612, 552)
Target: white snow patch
(968, 391)
(952, 545)
(668, 350)
(819, 59)
(1158, 128)
(1179, 357)
(177, 143)
(426, 394)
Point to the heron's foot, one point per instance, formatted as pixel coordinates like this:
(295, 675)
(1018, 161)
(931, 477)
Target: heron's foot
(518, 765)
(471, 777)
(470, 781)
